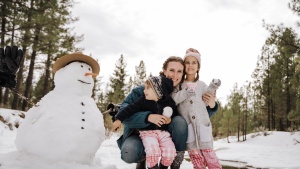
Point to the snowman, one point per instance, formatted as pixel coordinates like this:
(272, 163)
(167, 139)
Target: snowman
(66, 124)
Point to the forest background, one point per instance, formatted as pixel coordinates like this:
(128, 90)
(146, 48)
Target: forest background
(42, 29)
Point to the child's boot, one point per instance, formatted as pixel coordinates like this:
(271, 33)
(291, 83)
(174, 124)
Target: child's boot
(154, 167)
(161, 166)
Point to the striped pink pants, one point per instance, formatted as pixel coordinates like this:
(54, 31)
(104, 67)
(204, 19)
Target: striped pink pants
(158, 144)
(202, 158)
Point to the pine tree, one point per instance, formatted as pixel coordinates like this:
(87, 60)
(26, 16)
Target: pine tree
(8, 13)
(129, 86)
(245, 104)
(140, 74)
(234, 105)
(282, 73)
(227, 123)
(44, 33)
(294, 115)
(216, 120)
(116, 91)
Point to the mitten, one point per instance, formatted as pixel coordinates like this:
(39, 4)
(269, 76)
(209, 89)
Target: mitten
(10, 60)
(190, 88)
(213, 86)
(7, 80)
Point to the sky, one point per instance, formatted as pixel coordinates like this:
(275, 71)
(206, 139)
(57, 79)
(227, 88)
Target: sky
(277, 150)
(228, 33)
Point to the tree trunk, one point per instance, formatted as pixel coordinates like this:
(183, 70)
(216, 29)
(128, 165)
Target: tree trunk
(281, 128)
(47, 75)
(31, 69)
(6, 93)
(243, 125)
(3, 22)
(246, 123)
(273, 126)
(5, 97)
(288, 97)
(238, 126)
(15, 103)
(29, 80)
(228, 134)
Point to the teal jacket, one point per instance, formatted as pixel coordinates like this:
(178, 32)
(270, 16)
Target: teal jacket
(139, 120)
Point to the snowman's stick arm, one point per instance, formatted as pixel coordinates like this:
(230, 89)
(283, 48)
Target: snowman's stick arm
(107, 111)
(23, 97)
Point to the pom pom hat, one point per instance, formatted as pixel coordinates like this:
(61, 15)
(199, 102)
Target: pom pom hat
(193, 52)
(77, 56)
(162, 86)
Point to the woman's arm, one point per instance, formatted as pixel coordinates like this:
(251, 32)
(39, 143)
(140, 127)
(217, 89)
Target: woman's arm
(131, 109)
(139, 119)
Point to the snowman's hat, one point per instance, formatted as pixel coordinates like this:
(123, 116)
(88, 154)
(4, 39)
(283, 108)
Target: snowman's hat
(77, 56)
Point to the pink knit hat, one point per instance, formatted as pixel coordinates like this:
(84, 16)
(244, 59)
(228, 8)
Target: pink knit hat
(193, 52)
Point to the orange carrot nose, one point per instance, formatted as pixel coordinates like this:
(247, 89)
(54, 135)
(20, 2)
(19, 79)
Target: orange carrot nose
(89, 74)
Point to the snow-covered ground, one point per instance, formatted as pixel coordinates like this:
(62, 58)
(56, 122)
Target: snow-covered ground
(278, 150)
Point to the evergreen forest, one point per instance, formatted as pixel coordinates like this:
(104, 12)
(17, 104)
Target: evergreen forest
(271, 101)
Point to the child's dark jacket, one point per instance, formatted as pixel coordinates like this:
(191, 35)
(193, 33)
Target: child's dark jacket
(148, 105)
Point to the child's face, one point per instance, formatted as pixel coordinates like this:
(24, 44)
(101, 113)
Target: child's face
(191, 65)
(150, 93)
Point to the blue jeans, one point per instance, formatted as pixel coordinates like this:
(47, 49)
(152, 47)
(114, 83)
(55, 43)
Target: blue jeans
(133, 151)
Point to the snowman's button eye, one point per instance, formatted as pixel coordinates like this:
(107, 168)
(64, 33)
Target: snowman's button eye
(81, 65)
(89, 69)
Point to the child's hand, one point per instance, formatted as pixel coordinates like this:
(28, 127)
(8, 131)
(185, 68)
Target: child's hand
(168, 121)
(157, 119)
(116, 125)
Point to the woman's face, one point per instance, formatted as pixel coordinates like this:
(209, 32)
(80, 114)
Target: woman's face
(174, 71)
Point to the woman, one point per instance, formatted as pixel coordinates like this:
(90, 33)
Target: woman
(132, 149)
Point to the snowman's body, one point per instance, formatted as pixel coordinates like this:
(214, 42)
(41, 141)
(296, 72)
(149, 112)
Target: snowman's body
(66, 125)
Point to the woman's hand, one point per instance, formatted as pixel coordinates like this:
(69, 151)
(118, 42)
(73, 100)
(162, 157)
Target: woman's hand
(209, 99)
(116, 125)
(157, 119)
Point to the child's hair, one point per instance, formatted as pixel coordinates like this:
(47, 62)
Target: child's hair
(195, 53)
(191, 52)
(162, 86)
(148, 83)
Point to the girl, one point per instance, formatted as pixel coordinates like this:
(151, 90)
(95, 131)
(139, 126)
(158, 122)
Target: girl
(194, 111)
(156, 139)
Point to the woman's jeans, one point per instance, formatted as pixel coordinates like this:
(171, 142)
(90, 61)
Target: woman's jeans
(133, 151)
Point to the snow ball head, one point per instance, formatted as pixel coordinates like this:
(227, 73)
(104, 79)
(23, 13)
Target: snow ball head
(167, 111)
